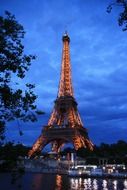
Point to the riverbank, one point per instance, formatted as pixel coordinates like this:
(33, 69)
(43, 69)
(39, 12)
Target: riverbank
(77, 169)
(71, 169)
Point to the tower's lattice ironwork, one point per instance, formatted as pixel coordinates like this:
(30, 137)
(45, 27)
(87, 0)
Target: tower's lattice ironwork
(64, 124)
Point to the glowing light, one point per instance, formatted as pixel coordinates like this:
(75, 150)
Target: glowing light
(104, 185)
(65, 85)
(115, 184)
(65, 113)
(58, 182)
(125, 184)
(95, 186)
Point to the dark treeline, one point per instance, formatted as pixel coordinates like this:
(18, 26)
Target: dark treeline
(106, 150)
(10, 154)
(114, 153)
(11, 150)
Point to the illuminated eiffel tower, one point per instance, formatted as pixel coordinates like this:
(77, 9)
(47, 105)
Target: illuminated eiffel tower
(64, 124)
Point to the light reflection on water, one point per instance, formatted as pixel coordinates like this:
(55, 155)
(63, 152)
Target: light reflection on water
(125, 185)
(104, 185)
(95, 184)
(60, 182)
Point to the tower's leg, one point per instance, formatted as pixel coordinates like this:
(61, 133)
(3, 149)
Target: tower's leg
(57, 145)
(80, 141)
(38, 145)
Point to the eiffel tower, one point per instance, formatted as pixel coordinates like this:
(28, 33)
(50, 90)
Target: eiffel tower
(64, 124)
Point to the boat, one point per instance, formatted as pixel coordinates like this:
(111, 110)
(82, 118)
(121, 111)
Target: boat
(78, 171)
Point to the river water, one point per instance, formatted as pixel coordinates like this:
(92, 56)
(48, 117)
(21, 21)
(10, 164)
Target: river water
(35, 181)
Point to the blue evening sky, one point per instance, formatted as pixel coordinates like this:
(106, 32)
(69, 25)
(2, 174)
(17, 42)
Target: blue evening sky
(98, 58)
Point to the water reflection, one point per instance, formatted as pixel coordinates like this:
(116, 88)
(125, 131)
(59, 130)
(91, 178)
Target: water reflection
(125, 184)
(74, 183)
(61, 182)
(80, 183)
(115, 184)
(58, 182)
(95, 184)
(37, 180)
(104, 185)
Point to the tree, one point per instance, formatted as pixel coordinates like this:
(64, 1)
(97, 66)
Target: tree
(15, 103)
(122, 20)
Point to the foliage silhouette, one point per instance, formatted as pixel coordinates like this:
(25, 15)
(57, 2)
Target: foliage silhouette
(122, 20)
(115, 153)
(15, 103)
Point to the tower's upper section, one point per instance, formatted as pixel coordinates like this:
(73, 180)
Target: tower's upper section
(65, 37)
(65, 85)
